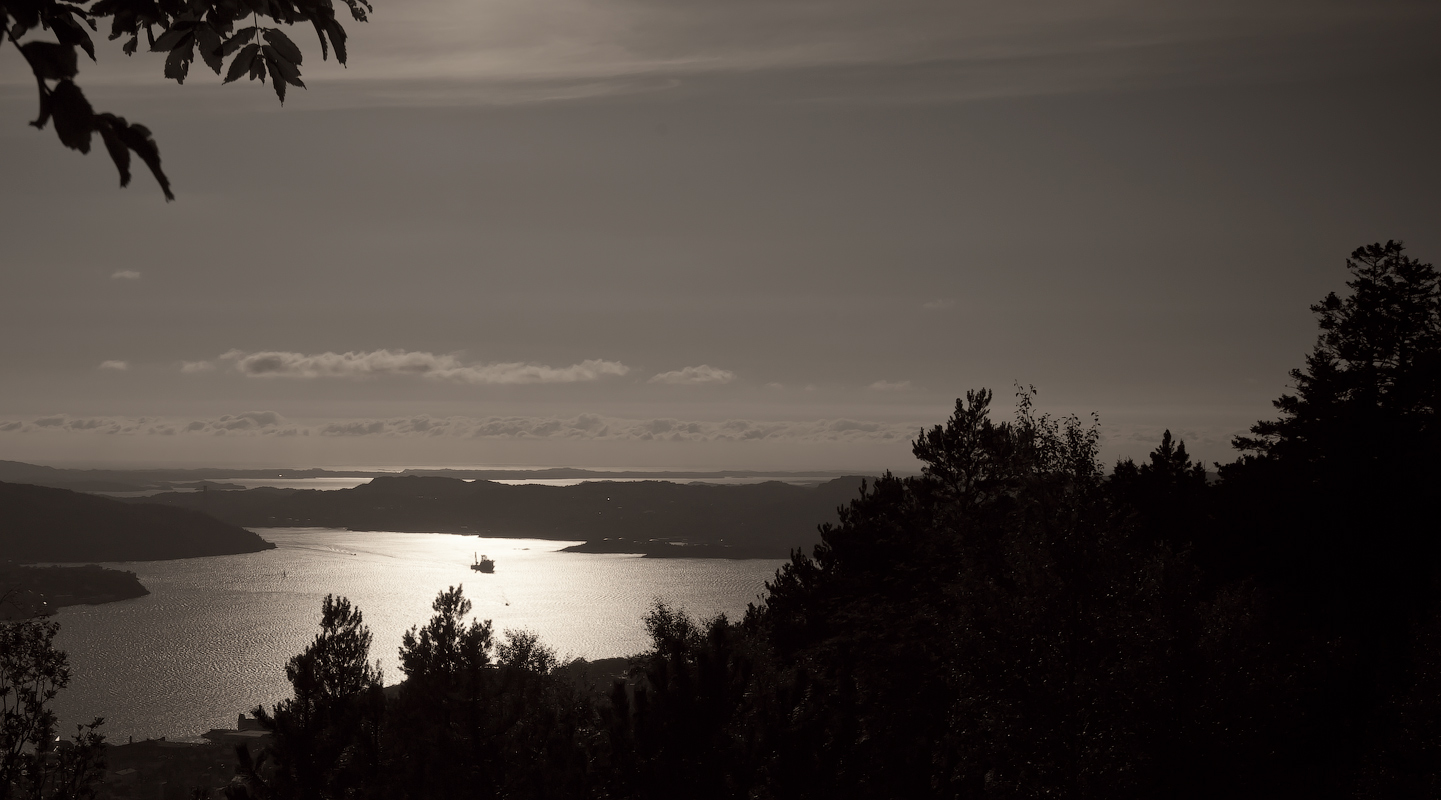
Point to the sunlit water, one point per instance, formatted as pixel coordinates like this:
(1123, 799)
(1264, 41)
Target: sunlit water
(213, 636)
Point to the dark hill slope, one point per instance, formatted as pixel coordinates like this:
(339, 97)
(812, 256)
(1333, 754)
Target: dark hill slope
(748, 520)
(44, 524)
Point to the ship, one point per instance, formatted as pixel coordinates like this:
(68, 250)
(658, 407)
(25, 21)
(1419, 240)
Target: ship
(483, 564)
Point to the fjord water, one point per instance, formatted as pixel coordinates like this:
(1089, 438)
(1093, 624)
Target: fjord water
(212, 638)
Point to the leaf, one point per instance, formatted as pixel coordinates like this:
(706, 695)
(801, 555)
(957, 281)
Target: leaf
(137, 137)
(177, 64)
(283, 46)
(237, 41)
(73, 116)
(168, 41)
(134, 137)
(257, 68)
(242, 62)
(51, 61)
(358, 9)
(337, 38)
(282, 67)
(173, 37)
(131, 46)
(119, 153)
(320, 33)
(277, 76)
(68, 31)
(209, 42)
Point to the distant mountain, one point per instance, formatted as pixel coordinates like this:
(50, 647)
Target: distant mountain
(755, 520)
(39, 524)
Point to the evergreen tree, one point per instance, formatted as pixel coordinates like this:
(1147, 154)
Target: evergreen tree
(327, 737)
(1340, 489)
(1332, 507)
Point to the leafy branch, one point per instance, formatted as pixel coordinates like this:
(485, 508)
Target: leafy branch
(182, 29)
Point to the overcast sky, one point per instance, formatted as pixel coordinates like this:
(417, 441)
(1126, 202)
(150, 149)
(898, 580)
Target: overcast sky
(674, 233)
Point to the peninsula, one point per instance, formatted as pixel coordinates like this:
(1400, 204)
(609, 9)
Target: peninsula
(40, 591)
(41, 524)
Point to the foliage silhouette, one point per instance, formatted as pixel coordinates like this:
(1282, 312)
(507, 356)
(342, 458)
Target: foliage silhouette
(33, 764)
(327, 735)
(1332, 508)
(1349, 466)
(212, 29)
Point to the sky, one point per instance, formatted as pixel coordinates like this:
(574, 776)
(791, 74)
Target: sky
(679, 234)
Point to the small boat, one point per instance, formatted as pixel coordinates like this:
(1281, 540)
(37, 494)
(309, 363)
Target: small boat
(483, 564)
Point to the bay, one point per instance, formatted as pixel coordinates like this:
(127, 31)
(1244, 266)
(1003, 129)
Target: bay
(212, 638)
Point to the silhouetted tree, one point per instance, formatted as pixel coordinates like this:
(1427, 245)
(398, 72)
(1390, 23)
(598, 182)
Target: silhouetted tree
(465, 725)
(1375, 372)
(1345, 481)
(212, 29)
(327, 736)
(1000, 625)
(693, 725)
(523, 650)
(1332, 507)
(439, 742)
(33, 765)
(1172, 496)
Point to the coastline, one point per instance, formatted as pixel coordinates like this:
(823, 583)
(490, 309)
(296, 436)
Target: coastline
(28, 591)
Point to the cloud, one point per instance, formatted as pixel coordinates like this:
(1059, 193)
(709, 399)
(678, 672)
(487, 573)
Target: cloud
(596, 427)
(997, 48)
(125, 275)
(116, 366)
(890, 386)
(938, 304)
(249, 423)
(377, 363)
(189, 367)
(65, 423)
(588, 427)
(694, 375)
(847, 425)
(354, 428)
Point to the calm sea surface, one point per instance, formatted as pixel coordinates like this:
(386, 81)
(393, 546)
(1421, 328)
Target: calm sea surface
(213, 636)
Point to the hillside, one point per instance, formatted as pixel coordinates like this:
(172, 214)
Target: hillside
(38, 591)
(39, 524)
(757, 520)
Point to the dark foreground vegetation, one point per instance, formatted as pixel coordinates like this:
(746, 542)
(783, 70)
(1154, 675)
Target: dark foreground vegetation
(1012, 623)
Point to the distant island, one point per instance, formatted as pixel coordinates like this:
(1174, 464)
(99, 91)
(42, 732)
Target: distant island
(654, 518)
(149, 480)
(39, 591)
(43, 524)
